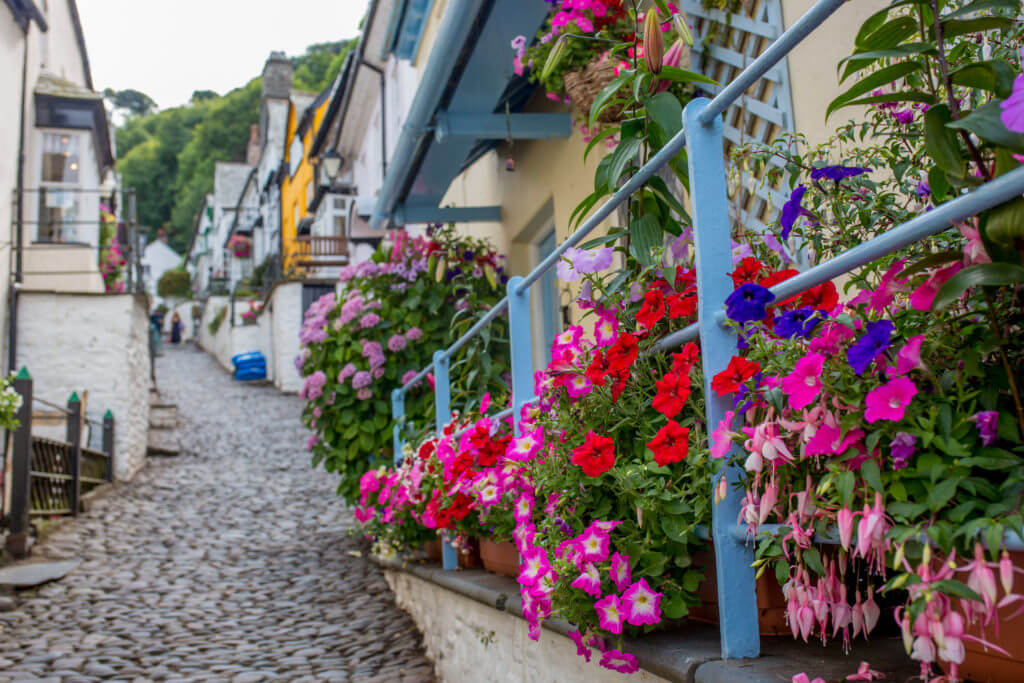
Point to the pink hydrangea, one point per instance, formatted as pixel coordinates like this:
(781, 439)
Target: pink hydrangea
(369, 320)
(361, 379)
(313, 387)
(312, 441)
(396, 343)
(414, 334)
(364, 394)
(346, 372)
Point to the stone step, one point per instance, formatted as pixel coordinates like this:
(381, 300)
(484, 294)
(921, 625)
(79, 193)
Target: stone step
(163, 442)
(163, 416)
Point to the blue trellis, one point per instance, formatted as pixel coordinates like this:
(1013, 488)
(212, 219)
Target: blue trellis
(704, 135)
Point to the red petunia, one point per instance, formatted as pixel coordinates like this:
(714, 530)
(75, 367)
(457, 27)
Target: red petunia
(685, 278)
(598, 370)
(596, 455)
(772, 279)
(683, 361)
(736, 373)
(622, 353)
(671, 443)
(682, 305)
(673, 390)
(620, 384)
(824, 297)
(652, 310)
(746, 271)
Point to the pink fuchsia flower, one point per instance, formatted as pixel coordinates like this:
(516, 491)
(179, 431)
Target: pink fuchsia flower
(609, 613)
(803, 678)
(620, 571)
(641, 604)
(721, 438)
(606, 329)
(581, 648)
(535, 565)
(844, 520)
(578, 385)
(987, 422)
(594, 544)
(889, 401)
(396, 343)
(414, 334)
(525, 447)
(909, 357)
(803, 385)
(974, 251)
(623, 662)
(589, 581)
(921, 298)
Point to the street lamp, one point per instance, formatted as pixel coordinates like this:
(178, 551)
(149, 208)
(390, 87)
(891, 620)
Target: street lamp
(332, 163)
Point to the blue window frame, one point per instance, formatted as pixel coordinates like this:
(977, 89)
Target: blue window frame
(410, 18)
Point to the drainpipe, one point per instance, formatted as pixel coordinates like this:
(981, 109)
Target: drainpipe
(12, 342)
(451, 35)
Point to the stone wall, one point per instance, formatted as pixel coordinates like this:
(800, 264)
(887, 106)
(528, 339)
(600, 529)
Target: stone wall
(97, 344)
(469, 641)
(285, 312)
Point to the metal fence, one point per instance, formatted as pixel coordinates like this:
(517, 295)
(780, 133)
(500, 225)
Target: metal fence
(702, 136)
(49, 477)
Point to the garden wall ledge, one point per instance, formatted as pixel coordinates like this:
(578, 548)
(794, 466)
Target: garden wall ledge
(689, 653)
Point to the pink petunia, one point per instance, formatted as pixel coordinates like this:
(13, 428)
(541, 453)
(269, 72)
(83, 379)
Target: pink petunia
(642, 604)
(578, 386)
(623, 662)
(889, 401)
(485, 403)
(887, 288)
(589, 581)
(605, 526)
(581, 648)
(803, 385)
(829, 440)
(523, 536)
(535, 564)
(606, 329)
(909, 357)
(620, 571)
(609, 613)
(721, 438)
(523, 448)
(594, 544)
(522, 511)
(921, 298)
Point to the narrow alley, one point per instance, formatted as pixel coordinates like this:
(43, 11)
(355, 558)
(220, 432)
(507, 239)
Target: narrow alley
(233, 561)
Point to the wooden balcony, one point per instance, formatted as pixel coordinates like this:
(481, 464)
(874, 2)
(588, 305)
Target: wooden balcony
(310, 251)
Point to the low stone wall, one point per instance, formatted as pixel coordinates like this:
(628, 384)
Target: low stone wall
(227, 341)
(284, 309)
(470, 641)
(95, 343)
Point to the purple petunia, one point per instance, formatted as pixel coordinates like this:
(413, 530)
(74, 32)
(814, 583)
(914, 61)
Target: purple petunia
(902, 449)
(747, 302)
(987, 422)
(1012, 115)
(800, 322)
(837, 173)
(792, 210)
(874, 341)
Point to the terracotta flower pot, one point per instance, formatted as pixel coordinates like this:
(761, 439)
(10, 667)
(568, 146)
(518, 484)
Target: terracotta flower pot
(771, 604)
(987, 665)
(471, 559)
(500, 558)
(433, 550)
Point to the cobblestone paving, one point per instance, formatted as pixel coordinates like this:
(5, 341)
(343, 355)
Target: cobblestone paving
(231, 562)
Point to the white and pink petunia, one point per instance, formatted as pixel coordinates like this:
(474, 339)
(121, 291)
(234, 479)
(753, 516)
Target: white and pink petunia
(535, 565)
(622, 662)
(609, 613)
(620, 571)
(589, 581)
(594, 544)
(641, 604)
(526, 446)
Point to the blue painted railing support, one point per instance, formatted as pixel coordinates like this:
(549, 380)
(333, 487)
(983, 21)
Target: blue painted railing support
(443, 415)
(397, 413)
(737, 599)
(522, 347)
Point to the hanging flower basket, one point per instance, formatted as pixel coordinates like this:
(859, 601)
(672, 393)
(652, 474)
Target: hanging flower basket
(584, 85)
(240, 246)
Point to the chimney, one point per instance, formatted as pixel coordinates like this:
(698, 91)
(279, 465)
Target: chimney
(277, 77)
(252, 152)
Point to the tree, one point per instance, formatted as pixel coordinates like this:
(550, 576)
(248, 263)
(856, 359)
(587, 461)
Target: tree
(203, 95)
(132, 101)
(175, 283)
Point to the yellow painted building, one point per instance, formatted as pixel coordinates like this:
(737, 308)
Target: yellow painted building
(298, 181)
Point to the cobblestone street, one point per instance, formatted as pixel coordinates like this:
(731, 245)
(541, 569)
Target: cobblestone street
(230, 562)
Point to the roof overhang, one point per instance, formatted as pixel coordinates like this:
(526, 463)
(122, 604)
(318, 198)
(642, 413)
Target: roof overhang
(60, 104)
(25, 11)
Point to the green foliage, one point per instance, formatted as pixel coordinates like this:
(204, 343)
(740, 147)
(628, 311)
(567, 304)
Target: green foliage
(318, 67)
(131, 101)
(218, 319)
(175, 283)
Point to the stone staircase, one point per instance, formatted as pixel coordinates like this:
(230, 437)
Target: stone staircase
(163, 427)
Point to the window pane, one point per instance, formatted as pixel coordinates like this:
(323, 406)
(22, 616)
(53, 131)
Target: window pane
(58, 216)
(60, 158)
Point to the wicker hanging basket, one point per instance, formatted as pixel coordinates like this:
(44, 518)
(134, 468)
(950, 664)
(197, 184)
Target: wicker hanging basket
(584, 85)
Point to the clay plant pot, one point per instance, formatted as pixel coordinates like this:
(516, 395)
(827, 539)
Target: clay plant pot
(500, 558)
(471, 559)
(983, 665)
(771, 604)
(433, 550)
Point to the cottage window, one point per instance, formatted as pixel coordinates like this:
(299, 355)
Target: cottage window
(59, 187)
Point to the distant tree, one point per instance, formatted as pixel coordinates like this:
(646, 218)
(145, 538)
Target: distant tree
(203, 95)
(131, 101)
(174, 283)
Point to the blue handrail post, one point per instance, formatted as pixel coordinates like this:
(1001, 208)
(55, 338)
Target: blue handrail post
(522, 350)
(443, 415)
(397, 413)
(737, 599)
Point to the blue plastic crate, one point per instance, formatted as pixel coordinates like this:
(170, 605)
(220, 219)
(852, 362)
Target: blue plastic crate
(251, 373)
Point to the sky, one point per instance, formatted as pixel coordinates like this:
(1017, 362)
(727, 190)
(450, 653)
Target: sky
(169, 49)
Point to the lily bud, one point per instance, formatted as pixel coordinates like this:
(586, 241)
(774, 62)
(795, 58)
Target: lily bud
(554, 57)
(441, 267)
(682, 28)
(1006, 572)
(654, 44)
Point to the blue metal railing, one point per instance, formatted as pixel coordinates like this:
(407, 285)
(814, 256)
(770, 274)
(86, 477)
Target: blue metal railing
(702, 137)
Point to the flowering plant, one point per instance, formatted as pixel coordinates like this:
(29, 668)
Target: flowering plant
(240, 246)
(413, 297)
(112, 261)
(10, 402)
(249, 316)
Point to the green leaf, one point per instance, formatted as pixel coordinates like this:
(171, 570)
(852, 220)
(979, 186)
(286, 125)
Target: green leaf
(861, 60)
(980, 5)
(943, 491)
(952, 28)
(931, 261)
(607, 93)
(938, 182)
(985, 122)
(985, 274)
(675, 607)
(956, 589)
(844, 485)
(658, 185)
(674, 528)
(902, 96)
(869, 470)
(604, 134)
(601, 241)
(644, 236)
(650, 564)
(620, 158)
(940, 142)
(1005, 223)
(665, 110)
(888, 35)
(995, 76)
(875, 80)
(674, 73)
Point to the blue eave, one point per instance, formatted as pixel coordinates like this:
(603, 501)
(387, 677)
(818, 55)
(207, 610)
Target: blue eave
(475, 86)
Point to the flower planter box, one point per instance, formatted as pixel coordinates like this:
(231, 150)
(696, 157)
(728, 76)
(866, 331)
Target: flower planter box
(433, 550)
(500, 558)
(989, 666)
(771, 604)
(471, 559)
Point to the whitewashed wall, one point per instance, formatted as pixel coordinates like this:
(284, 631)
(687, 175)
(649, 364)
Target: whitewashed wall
(94, 343)
(469, 641)
(183, 309)
(285, 311)
(228, 341)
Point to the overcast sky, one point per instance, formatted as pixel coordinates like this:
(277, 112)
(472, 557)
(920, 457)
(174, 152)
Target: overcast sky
(169, 49)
